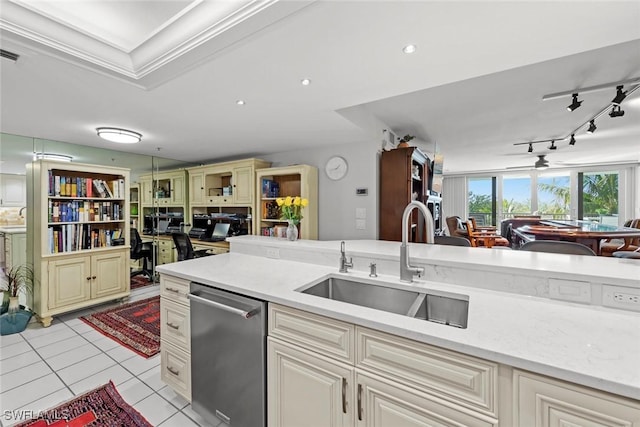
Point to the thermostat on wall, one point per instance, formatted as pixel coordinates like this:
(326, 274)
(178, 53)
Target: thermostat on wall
(362, 191)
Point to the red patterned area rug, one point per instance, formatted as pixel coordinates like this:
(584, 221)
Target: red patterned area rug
(100, 407)
(140, 281)
(135, 325)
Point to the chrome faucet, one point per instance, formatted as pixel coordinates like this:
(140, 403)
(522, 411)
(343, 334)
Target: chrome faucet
(344, 264)
(407, 271)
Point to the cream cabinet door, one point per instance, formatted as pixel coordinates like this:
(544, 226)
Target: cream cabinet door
(243, 185)
(13, 190)
(383, 403)
(146, 192)
(166, 252)
(307, 390)
(108, 274)
(69, 281)
(177, 190)
(544, 402)
(196, 188)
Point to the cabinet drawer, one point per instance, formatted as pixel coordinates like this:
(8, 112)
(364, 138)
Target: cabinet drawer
(174, 324)
(220, 200)
(175, 369)
(461, 379)
(543, 401)
(174, 289)
(317, 333)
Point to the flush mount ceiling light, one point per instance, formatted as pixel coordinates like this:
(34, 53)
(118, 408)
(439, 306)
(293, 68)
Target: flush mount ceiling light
(572, 141)
(305, 82)
(530, 150)
(410, 48)
(52, 156)
(575, 103)
(541, 163)
(592, 126)
(121, 136)
(620, 96)
(616, 111)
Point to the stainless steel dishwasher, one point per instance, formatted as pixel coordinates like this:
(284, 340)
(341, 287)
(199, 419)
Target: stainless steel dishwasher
(228, 356)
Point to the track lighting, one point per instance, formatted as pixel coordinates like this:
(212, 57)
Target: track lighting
(541, 163)
(553, 145)
(592, 126)
(572, 141)
(530, 150)
(620, 96)
(616, 111)
(575, 103)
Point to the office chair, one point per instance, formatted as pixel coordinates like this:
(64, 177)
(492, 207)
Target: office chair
(557, 247)
(451, 241)
(185, 248)
(140, 250)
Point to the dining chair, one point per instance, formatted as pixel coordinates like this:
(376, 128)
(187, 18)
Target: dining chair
(484, 235)
(610, 246)
(451, 241)
(557, 247)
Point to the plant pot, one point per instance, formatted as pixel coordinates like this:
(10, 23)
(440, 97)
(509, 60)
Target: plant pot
(13, 323)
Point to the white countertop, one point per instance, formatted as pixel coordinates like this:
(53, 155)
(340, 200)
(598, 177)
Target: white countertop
(589, 345)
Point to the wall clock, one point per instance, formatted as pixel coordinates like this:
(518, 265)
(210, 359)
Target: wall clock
(336, 168)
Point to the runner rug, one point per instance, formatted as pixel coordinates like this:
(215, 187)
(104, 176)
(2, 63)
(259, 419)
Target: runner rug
(140, 281)
(135, 325)
(100, 407)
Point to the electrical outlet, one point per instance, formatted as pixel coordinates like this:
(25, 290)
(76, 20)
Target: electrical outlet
(626, 298)
(273, 253)
(621, 297)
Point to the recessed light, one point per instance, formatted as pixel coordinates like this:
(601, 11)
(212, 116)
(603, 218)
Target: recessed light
(122, 136)
(240, 102)
(410, 48)
(305, 82)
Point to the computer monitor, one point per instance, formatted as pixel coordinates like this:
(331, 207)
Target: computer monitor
(220, 230)
(162, 225)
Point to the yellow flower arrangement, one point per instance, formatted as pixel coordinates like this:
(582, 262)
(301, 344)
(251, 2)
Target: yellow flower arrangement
(291, 208)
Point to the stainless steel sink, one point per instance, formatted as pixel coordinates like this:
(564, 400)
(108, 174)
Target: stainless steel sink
(435, 306)
(373, 296)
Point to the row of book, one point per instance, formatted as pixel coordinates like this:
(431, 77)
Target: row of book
(84, 211)
(277, 231)
(70, 186)
(75, 237)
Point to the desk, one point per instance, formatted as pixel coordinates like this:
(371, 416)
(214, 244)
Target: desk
(588, 233)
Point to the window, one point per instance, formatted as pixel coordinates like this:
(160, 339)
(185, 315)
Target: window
(516, 196)
(598, 197)
(554, 196)
(482, 200)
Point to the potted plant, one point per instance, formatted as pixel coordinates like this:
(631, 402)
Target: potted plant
(15, 281)
(404, 141)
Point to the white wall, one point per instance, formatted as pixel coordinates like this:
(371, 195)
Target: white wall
(337, 199)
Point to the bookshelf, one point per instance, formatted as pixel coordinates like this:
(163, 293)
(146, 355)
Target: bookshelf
(78, 228)
(296, 180)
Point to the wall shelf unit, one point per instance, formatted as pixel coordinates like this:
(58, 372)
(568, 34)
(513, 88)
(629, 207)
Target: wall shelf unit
(296, 180)
(78, 235)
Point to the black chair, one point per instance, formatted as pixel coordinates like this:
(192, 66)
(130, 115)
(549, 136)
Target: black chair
(140, 250)
(451, 241)
(557, 247)
(185, 248)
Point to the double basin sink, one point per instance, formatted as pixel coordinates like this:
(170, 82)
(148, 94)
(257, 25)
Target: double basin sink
(435, 306)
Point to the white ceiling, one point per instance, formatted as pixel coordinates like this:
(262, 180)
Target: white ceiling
(173, 70)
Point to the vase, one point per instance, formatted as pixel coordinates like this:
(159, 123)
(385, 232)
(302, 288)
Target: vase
(292, 231)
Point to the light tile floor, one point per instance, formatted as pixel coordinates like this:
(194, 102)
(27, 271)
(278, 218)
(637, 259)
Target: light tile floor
(43, 367)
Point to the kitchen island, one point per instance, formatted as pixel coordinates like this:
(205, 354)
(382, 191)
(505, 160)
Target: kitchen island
(571, 318)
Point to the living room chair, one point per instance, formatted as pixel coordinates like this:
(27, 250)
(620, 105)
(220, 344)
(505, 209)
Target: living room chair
(457, 227)
(140, 251)
(185, 248)
(557, 247)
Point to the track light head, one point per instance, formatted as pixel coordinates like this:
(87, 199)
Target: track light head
(575, 103)
(541, 163)
(616, 111)
(553, 145)
(592, 126)
(620, 96)
(530, 150)
(572, 141)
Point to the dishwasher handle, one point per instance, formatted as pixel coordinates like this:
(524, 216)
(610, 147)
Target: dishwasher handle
(239, 312)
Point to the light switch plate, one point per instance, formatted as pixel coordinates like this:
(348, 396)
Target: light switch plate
(361, 213)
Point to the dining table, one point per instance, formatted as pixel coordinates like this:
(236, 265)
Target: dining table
(588, 233)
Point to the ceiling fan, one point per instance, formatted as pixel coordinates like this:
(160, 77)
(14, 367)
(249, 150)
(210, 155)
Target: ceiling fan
(540, 164)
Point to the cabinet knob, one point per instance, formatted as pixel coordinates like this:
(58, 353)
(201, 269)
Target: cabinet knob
(93, 277)
(89, 278)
